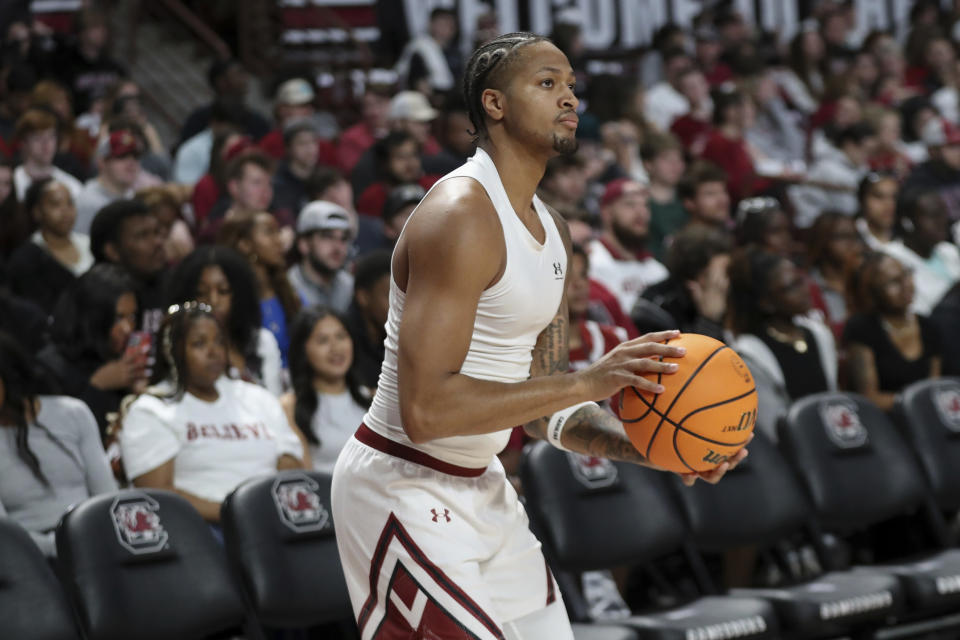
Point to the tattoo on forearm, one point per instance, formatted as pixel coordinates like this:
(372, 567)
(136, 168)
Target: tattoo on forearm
(591, 430)
(552, 355)
(596, 432)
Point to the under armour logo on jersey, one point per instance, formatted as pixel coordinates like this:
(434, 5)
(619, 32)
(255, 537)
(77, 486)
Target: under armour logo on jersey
(557, 269)
(444, 513)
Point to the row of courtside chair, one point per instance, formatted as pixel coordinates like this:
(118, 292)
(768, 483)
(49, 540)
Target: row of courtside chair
(840, 466)
(143, 565)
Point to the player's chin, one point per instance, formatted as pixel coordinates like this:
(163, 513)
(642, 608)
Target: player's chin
(566, 143)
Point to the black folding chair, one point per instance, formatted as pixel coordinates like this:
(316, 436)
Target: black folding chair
(859, 471)
(143, 564)
(595, 514)
(279, 535)
(761, 503)
(32, 603)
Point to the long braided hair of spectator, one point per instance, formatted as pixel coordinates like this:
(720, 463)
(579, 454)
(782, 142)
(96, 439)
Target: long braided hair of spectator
(243, 324)
(485, 70)
(21, 381)
(302, 373)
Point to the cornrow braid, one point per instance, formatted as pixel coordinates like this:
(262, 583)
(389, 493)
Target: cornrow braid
(483, 70)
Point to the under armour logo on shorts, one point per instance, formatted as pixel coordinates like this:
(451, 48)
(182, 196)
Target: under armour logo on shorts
(437, 514)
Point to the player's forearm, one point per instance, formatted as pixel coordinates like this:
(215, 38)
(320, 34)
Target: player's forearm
(593, 431)
(461, 405)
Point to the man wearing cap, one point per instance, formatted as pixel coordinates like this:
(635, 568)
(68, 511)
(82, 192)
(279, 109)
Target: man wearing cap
(619, 259)
(324, 233)
(941, 172)
(118, 164)
(294, 103)
(410, 112)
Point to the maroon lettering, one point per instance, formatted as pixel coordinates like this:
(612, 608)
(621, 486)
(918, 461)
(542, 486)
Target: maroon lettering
(191, 431)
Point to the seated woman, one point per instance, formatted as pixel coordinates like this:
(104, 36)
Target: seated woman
(877, 218)
(327, 402)
(763, 222)
(790, 352)
(55, 256)
(197, 432)
(220, 277)
(888, 346)
(256, 236)
(50, 451)
(94, 351)
(833, 248)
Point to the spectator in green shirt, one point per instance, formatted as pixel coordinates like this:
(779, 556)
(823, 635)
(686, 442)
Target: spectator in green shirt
(662, 156)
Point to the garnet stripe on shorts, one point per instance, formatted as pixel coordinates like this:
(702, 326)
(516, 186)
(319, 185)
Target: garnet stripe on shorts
(371, 438)
(394, 529)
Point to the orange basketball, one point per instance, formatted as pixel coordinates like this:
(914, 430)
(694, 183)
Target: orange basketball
(705, 414)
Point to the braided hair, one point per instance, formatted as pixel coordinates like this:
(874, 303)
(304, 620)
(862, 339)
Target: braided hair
(485, 70)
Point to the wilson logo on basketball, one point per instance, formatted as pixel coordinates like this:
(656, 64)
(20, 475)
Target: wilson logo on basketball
(747, 421)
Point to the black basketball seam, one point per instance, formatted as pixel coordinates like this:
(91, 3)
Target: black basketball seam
(650, 405)
(717, 404)
(676, 450)
(686, 383)
(678, 426)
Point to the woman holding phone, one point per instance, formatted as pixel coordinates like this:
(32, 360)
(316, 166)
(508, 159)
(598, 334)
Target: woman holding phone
(95, 353)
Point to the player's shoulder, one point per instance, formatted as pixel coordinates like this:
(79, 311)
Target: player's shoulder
(456, 210)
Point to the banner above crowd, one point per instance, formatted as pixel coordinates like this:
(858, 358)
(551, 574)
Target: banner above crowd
(607, 24)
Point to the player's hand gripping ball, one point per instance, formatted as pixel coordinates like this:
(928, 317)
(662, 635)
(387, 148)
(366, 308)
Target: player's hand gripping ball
(704, 416)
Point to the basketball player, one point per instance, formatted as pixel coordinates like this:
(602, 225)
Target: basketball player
(433, 540)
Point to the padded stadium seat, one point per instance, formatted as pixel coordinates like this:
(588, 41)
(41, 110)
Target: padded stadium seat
(596, 514)
(143, 564)
(278, 532)
(32, 604)
(859, 471)
(928, 413)
(761, 502)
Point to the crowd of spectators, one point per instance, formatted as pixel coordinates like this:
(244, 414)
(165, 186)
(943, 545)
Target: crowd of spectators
(213, 307)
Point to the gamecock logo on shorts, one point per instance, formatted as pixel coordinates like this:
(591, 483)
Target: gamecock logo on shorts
(298, 502)
(592, 472)
(947, 402)
(842, 423)
(137, 523)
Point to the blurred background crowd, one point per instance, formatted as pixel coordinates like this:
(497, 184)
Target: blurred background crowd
(794, 194)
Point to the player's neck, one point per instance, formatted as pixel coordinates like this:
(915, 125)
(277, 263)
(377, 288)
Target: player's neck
(520, 170)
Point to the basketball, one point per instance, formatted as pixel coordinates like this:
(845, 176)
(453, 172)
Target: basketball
(705, 414)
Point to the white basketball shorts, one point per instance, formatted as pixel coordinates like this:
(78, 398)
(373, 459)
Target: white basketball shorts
(433, 550)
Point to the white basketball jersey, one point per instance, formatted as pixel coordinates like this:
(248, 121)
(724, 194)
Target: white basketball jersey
(510, 316)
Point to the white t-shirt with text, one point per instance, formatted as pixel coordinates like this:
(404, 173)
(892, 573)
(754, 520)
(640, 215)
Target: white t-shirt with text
(214, 445)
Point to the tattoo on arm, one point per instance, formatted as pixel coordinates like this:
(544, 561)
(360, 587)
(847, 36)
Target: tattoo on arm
(591, 430)
(596, 432)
